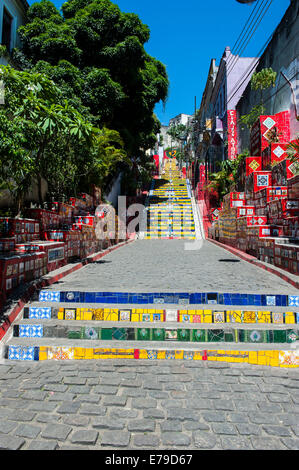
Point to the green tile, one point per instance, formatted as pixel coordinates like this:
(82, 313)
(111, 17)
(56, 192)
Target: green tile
(89, 332)
(292, 336)
(74, 334)
(143, 334)
(183, 335)
(119, 333)
(279, 336)
(158, 334)
(199, 335)
(106, 333)
(215, 335)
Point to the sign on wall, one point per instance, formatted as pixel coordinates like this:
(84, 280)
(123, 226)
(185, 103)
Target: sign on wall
(232, 134)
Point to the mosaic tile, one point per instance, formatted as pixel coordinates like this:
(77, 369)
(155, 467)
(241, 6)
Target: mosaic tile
(171, 335)
(199, 335)
(183, 335)
(60, 353)
(143, 334)
(30, 331)
(89, 333)
(158, 334)
(14, 353)
(27, 353)
(271, 300)
(293, 301)
(124, 315)
(170, 355)
(219, 317)
(152, 354)
(277, 317)
(119, 334)
(157, 317)
(70, 313)
(288, 358)
(39, 313)
(186, 318)
(188, 355)
(49, 296)
(146, 317)
(171, 315)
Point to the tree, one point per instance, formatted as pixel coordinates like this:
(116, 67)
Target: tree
(43, 136)
(95, 53)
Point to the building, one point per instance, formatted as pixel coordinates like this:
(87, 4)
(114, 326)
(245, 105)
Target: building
(12, 16)
(215, 137)
(282, 55)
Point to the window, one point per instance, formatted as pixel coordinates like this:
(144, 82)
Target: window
(6, 29)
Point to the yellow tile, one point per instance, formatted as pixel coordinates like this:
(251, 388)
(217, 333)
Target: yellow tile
(252, 357)
(289, 317)
(179, 354)
(87, 316)
(79, 353)
(43, 353)
(249, 317)
(60, 315)
(135, 317)
(161, 354)
(142, 354)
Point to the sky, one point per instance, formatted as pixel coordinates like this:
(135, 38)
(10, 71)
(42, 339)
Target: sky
(187, 34)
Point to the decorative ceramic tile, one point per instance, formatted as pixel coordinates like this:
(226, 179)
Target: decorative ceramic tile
(157, 317)
(70, 296)
(152, 354)
(170, 355)
(70, 314)
(289, 358)
(271, 299)
(39, 313)
(30, 331)
(171, 315)
(146, 317)
(124, 315)
(171, 334)
(293, 301)
(249, 317)
(188, 355)
(292, 336)
(219, 317)
(297, 317)
(186, 318)
(60, 353)
(90, 333)
(158, 301)
(197, 319)
(14, 353)
(49, 296)
(262, 180)
(27, 353)
(277, 317)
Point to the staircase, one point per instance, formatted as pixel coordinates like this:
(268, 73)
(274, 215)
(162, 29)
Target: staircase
(243, 328)
(169, 209)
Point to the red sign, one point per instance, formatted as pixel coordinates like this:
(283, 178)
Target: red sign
(232, 134)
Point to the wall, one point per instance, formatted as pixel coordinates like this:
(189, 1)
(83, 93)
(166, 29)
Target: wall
(282, 55)
(17, 9)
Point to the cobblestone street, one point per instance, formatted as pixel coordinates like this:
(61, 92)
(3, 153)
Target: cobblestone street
(121, 405)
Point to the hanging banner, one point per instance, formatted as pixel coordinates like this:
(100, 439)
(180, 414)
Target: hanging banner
(232, 134)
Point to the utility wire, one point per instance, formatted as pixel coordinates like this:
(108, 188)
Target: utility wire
(252, 31)
(236, 45)
(252, 67)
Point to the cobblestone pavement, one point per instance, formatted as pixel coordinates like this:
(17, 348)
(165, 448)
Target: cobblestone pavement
(164, 266)
(118, 404)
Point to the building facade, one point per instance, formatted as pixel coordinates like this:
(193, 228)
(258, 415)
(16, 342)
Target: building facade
(282, 55)
(12, 16)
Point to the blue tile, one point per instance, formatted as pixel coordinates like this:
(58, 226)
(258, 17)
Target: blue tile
(90, 297)
(36, 353)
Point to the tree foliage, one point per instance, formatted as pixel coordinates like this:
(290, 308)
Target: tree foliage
(43, 136)
(96, 54)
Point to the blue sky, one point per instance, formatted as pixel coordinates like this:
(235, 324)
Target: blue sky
(186, 35)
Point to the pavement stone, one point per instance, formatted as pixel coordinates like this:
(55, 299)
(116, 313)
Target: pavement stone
(160, 419)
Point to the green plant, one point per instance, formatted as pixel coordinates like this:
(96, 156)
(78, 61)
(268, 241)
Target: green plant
(259, 81)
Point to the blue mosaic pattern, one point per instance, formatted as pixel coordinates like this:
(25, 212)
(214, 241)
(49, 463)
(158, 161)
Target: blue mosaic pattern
(181, 298)
(49, 296)
(40, 313)
(30, 331)
(21, 353)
